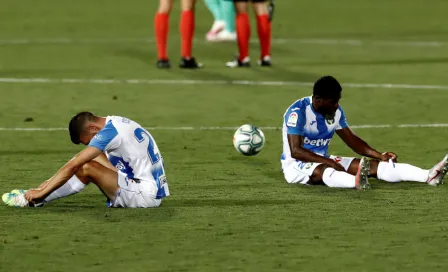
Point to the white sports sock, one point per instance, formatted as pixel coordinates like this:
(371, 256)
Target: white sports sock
(71, 187)
(338, 179)
(396, 172)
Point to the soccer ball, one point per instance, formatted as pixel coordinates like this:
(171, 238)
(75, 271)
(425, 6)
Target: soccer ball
(248, 140)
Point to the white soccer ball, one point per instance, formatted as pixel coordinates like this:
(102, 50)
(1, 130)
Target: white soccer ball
(248, 140)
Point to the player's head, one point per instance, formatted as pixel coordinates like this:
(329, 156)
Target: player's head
(326, 95)
(82, 127)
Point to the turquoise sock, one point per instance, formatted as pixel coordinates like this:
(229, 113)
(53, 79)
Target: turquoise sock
(215, 8)
(228, 11)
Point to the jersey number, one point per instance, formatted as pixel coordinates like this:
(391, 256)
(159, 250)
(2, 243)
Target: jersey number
(153, 156)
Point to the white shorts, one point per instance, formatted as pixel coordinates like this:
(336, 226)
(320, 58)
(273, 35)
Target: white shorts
(134, 195)
(300, 172)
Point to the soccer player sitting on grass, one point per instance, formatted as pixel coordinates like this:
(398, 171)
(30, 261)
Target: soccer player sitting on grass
(308, 126)
(121, 158)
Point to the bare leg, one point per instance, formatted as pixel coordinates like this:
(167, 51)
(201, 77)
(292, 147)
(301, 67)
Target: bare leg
(353, 168)
(165, 6)
(187, 5)
(105, 178)
(264, 31)
(260, 8)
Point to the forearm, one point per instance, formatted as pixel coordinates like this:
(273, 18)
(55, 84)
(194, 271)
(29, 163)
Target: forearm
(305, 155)
(363, 149)
(45, 183)
(59, 179)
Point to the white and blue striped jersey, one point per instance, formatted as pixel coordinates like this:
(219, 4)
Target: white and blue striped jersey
(301, 119)
(133, 151)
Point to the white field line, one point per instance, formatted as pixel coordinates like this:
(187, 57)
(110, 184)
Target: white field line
(234, 128)
(348, 42)
(213, 82)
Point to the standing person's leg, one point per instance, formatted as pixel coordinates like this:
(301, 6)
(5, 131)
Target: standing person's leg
(228, 12)
(264, 31)
(161, 29)
(215, 8)
(187, 25)
(242, 34)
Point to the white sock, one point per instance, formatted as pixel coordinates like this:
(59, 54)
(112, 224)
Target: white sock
(396, 172)
(71, 187)
(338, 179)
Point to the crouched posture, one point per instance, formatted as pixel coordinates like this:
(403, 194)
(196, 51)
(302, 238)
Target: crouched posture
(121, 158)
(308, 127)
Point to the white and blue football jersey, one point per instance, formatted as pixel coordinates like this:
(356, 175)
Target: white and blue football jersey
(301, 119)
(133, 151)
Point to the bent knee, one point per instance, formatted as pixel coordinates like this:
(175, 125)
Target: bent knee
(86, 169)
(374, 167)
(318, 174)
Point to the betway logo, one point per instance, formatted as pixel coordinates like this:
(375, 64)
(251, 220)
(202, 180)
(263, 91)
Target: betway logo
(320, 142)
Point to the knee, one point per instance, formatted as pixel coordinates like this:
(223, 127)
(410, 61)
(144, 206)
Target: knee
(374, 167)
(318, 174)
(86, 169)
(165, 6)
(187, 5)
(241, 7)
(260, 9)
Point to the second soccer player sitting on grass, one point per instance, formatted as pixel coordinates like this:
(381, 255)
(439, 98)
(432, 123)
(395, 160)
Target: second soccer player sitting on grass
(308, 127)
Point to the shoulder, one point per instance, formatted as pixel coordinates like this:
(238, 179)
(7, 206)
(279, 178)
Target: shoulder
(106, 136)
(121, 124)
(118, 120)
(108, 132)
(340, 118)
(299, 105)
(296, 113)
(340, 112)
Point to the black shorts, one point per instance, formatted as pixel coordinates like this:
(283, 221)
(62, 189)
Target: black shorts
(253, 1)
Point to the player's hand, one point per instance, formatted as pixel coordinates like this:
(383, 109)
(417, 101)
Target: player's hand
(337, 166)
(386, 156)
(34, 195)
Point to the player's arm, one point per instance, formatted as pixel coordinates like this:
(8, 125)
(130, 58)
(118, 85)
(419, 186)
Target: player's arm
(359, 146)
(298, 152)
(295, 122)
(64, 174)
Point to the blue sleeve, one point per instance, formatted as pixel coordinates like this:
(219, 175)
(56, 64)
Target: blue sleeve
(343, 120)
(104, 137)
(295, 122)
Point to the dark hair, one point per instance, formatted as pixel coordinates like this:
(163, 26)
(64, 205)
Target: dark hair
(77, 125)
(327, 87)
